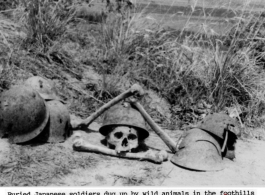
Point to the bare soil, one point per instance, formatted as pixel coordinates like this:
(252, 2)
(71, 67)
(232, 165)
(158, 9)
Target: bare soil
(59, 165)
(248, 169)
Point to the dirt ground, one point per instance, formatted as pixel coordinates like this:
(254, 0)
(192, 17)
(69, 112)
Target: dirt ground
(248, 169)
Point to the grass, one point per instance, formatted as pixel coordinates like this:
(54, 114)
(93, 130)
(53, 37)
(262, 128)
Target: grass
(8, 5)
(188, 69)
(183, 67)
(41, 165)
(182, 72)
(45, 23)
(196, 72)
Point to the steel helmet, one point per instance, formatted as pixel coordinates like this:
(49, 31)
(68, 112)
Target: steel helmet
(124, 114)
(44, 87)
(23, 114)
(217, 123)
(58, 126)
(198, 151)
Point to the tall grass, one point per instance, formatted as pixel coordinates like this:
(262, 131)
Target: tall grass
(45, 23)
(6, 6)
(186, 69)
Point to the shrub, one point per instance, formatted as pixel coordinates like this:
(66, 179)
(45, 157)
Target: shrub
(45, 22)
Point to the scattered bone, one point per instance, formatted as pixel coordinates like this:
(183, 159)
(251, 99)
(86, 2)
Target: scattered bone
(124, 138)
(136, 91)
(161, 133)
(157, 157)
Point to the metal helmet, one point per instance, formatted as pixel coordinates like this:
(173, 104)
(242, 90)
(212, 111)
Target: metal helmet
(44, 87)
(58, 126)
(198, 151)
(23, 114)
(124, 114)
(218, 123)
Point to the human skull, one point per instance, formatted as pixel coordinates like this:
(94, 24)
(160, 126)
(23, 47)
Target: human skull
(123, 139)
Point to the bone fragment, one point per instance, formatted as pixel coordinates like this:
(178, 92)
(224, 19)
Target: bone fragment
(161, 133)
(157, 157)
(136, 90)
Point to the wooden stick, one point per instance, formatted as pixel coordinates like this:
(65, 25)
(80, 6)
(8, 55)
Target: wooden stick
(134, 90)
(157, 157)
(162, 134)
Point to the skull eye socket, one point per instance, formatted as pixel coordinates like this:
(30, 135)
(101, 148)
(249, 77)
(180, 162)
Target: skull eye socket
(118, 135)
(132, 137)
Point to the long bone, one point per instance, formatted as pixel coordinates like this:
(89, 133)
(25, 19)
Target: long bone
(80, 145)
(161, 133)
(136, 91)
